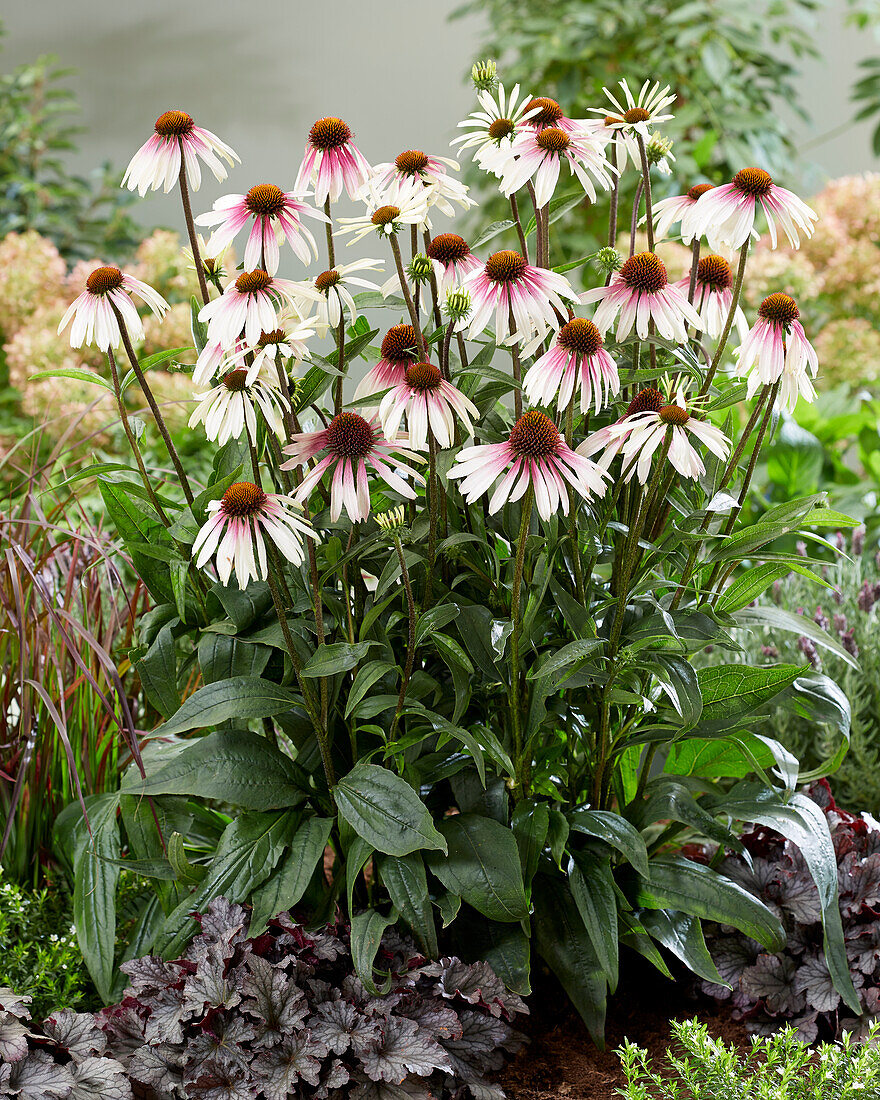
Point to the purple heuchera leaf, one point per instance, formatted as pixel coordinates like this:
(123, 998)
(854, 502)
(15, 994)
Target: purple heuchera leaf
(285, 1015)
(76, 1032)
(99, 1079)
(795, 985)
(39, 1077)
(403, 1049)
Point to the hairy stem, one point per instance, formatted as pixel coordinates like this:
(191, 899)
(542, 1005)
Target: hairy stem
(191, 230)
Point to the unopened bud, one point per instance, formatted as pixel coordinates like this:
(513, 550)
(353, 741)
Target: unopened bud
(457, 305)
(484, 74)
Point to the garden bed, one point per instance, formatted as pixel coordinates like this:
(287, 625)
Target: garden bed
(561, 1060)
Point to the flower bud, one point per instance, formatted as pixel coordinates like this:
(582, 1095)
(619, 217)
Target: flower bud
(609, 260)
(484, 74)
(457, 305)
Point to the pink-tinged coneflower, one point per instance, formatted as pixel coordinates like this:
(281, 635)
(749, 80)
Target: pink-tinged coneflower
(157, 163)
(495, 126)
(534, 455)
(641, 292)
(730, 211)
(537, 154)
(335, 299)
(669, 211)
(332, 162)
(432, 172)
(242, 520)
(542, 112)
(94, 321)
(776, 342)
(248, 304)
(208, 362)
(794, 383)
(353, 446)
(277, 216)
(231, 407)
(452, 260)
(507, 284)
(428, 401)
(713, 296)
(274, 348)
(641, 432)
(402, 203)
(400, 349)
(576, 358)
(631, 116)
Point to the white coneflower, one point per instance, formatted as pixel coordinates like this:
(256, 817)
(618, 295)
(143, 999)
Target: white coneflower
(729, 212)
(428, 401)
(332, 162)
(92, 312)
(642, 431)
(239, 526)
(250, 303)
(334, 297)
(496, 125)
(403, 203)
(277, 216)
(776, 342)
(230, 408)
(432, 172)
(539, 154)
(176, 139)
(536, 455)
(641, 292)
(632, 118)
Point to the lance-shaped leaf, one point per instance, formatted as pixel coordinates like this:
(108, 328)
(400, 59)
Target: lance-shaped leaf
(385, 810)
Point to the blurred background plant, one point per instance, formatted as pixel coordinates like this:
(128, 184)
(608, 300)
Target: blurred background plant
(38, 191)
(732, 65)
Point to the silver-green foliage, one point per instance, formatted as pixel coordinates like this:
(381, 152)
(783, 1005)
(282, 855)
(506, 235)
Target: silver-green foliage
(776, 1068)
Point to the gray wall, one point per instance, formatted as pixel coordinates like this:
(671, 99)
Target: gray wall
(256, 73)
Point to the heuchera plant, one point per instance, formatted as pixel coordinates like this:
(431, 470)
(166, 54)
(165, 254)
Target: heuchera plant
(284, 1014)
(461, 654)
(794, 984)
(65, 1059)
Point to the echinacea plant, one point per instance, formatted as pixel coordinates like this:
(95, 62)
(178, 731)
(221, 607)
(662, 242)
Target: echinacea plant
(429, 654)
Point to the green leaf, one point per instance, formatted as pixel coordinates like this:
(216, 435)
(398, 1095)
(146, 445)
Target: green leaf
(566, 947)
(287, 883)
(235, 766)
(530, 822)
(366, 677)
(731, 692)
(434, 620)
(593, 889)
(802, 822)
(160, 357)
(157, 670)
(327, 660)
(482, 866)
(777, 618)
(407, 886)
(682, 934)
(614, 830)
(74, 373)
(492, 230)
(249, 848)
(679, 883)
(239, 697)
(570, 655)
(199, 328)
(385, 810)
(367, 929)
(94, 889)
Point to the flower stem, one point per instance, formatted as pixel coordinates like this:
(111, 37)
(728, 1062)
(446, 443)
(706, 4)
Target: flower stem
(646, 176)
(520, 765)
(132, 440)
(435, 293)
(154, 407)
(514, 209)
(407, 297)
(320, 727)
(634, 221)
(517, 368)
(432, 519)
(191, 230)
(411, 637)
(328, 227)
(695, 263)
(728, 324)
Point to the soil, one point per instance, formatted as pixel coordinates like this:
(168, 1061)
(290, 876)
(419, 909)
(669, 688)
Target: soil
(561, 1062)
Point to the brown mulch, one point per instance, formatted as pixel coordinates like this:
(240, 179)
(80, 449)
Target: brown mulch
(561, 1062)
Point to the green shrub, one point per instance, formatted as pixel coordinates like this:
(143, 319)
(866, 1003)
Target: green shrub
(776, 1068)
(38, 950)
